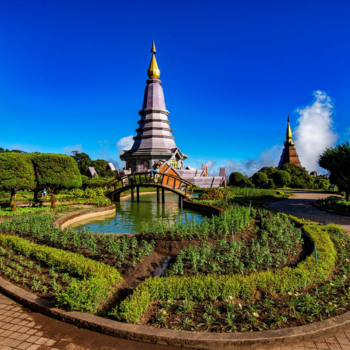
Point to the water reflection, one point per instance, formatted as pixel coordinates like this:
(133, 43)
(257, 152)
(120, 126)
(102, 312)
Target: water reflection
(131, 216)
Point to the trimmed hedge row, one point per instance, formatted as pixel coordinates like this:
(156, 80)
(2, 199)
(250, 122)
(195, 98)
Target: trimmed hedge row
(213, 287)
(81, 295)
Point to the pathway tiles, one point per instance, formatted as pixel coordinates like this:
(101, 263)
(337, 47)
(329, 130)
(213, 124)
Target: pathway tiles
(23, 329)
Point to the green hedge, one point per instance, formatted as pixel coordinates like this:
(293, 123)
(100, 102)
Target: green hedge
(81, 295)
(221, 287)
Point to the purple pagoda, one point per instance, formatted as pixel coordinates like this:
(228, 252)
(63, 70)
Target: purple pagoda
(154, 140)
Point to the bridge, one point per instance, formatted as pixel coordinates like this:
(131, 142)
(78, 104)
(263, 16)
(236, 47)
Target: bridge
(161, 181)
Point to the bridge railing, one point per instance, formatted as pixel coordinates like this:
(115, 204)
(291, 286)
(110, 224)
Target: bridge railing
(144, 178)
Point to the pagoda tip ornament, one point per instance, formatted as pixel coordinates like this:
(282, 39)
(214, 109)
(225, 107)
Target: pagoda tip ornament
(153, 70)
(289, 135)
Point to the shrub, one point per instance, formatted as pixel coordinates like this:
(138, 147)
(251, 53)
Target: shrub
(56, 171)
(237, 179)
(260, 179)
(282, 178)
(16, 173)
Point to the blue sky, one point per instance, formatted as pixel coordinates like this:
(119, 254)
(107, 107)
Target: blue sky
(72, 74)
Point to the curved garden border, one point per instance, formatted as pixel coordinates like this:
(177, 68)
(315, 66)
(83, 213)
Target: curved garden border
(275, 338)
(329, 210)
(69, 219)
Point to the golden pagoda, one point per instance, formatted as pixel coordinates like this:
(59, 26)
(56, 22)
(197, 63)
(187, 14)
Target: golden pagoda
(289, 154)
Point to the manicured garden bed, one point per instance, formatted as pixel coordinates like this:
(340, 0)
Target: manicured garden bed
(246, 269)
(335, 203)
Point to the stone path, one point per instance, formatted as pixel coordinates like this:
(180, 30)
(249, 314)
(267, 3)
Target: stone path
(21, 328)
(300, 205)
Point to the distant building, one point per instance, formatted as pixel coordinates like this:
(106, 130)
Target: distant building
(313, 174)
(154, 140)
(289, 153)
(91, 171)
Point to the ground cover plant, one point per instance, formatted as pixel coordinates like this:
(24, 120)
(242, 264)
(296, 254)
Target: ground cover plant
(145, 304)
(264, 309)
(69, 279)
(5, 212)
(335, 203)
(275, 242)
(246, 269)
(236, 218)
(119, 251)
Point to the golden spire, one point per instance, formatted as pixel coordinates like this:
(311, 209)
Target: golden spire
(289, 131)
(153, 70)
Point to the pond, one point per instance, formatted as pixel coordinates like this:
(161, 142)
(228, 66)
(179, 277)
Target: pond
(131, 217)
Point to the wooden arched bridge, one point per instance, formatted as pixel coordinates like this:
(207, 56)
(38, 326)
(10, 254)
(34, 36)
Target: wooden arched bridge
(160, 181)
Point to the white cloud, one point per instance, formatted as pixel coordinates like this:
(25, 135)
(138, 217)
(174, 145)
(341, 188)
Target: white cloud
(348, 132)
(247, 166)
(69, 149)
(314, 132)
(125, 143)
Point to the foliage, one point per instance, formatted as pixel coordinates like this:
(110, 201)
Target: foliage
(277, 242)
(237, 179)
(210, 288)
(84, 295)
(29, 210)
(83, 161)
(102, 168)
(281, 178)
(214, 193)
(260, 179)
(16, 173)
(96, 182)
(74, 264)
(269, 171)
(337, 162)
(335, 203)
(56, 171)
(125, 251)
(299, 177)
(236, 218)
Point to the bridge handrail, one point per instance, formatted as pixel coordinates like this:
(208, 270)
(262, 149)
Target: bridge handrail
(115, 182)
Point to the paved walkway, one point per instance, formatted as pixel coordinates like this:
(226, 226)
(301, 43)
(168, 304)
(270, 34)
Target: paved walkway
(21, 328)
(300, 205)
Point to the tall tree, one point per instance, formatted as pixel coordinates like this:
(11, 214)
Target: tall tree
(16, 173)
(337, 161)
(55, 171)
(83, 160)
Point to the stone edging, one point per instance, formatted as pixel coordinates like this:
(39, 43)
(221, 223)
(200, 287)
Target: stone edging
(274, 338)
(329, 210)
(68, 219)
(202, 207)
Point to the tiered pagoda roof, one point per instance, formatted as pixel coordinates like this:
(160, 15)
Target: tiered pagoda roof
(154, 140)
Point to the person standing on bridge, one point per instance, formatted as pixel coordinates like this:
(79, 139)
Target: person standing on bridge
(155, 169)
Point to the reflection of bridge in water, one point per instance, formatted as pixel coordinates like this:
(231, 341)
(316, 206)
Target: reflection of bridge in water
(160, 181)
